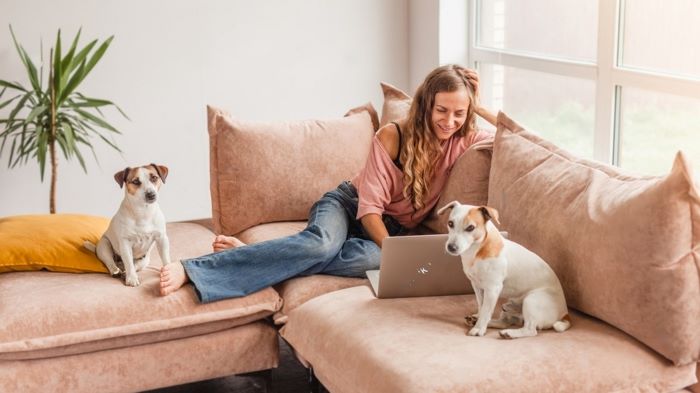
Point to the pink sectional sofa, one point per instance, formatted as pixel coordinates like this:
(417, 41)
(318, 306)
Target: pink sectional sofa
(625, 248)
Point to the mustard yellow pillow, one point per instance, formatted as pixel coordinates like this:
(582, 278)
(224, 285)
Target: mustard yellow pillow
(50, 241)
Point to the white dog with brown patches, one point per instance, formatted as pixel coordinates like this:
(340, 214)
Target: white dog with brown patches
(137, 225)
(500, 268)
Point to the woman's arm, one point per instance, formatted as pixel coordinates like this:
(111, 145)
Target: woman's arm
(473, 78)
(388, 136)
(375, 228)
(486, 114)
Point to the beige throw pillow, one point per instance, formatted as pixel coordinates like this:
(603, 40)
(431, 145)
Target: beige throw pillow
(625, 248)
(274, 171)
(396, 104)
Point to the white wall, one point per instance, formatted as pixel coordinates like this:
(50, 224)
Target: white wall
(267, 60)
(423, 35)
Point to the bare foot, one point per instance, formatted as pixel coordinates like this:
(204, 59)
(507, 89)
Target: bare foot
(172, 277)
(222, 242)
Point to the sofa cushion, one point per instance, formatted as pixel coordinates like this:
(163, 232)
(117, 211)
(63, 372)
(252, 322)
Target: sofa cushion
(626, 248)
(137, 368)
(468, 183)
(269, 171)
(62, 237)
(269, 231)
(357, 343)
(299, 290)
(54, 314)
(396, 104)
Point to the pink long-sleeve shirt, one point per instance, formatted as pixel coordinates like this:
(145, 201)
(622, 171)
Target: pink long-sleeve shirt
(380, 183)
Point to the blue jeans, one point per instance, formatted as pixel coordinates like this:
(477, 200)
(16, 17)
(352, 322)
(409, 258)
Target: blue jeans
(334, 242)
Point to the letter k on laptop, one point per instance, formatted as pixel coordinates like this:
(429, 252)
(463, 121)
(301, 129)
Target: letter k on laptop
(414, 266)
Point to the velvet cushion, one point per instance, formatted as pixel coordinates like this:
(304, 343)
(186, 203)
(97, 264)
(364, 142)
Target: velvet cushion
(396, 104)
(137, 368)
(357, 343)
(57, 314)
(467, 183)
(61, 246)
(274, 171)
(625, 248)
(299, 290)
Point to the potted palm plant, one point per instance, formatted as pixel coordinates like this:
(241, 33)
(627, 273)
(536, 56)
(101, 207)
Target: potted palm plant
(45, 115)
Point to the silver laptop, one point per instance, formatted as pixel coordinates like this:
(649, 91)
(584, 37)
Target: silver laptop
(414, 266)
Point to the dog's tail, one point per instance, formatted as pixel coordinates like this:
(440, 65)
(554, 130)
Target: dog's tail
(90, 246)
(563, 325)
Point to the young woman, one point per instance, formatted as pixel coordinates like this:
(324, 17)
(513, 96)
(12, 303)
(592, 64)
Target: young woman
(400, 184)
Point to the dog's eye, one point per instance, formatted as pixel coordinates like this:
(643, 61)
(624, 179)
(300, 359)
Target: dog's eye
(136, 182)
(469, 228)
(450, 224)
(154, 178)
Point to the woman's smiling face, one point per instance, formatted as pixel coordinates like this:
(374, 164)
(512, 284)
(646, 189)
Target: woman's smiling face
(449, 113)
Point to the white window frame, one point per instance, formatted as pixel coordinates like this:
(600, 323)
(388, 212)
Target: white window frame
(609, 75)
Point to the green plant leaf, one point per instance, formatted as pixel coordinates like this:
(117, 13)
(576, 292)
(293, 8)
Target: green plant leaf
(79, 58)
(74, 81)
(96, 120)
(28, 64)
(106, 102)
(34, 113)
(42, 146)
(19, 106)
(15, 86)
(66, 61)
(6, 103)
(69, 135)
(57, 63)
(98, 55)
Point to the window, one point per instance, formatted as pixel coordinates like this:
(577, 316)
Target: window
(617, 81)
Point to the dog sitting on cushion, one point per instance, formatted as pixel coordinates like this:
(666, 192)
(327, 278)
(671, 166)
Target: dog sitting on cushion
(498, 267)
(138, 224)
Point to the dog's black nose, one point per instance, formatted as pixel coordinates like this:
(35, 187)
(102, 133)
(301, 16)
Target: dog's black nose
(451, 247)
(151, 196)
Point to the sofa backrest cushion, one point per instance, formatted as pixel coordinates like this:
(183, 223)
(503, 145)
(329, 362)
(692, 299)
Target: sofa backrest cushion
(396, 104)
(625, 248)
(274, 171)
(468, 183)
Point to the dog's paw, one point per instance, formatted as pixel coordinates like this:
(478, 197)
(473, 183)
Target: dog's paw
(470, 320)
(132, 281)
(505, 334)
(476, 331)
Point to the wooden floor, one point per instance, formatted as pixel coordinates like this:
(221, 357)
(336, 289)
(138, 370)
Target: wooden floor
(289, 377)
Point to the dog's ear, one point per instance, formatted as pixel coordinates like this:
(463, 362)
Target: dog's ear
(120, 176)
(489, 213)
(448, 206)
(162, 171)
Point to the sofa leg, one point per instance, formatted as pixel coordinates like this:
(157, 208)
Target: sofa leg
(314, 383)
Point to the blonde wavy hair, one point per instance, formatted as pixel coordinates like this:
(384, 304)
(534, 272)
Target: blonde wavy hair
(421, 150)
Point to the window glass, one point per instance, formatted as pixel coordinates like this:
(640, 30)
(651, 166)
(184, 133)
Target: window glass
(558, 108)
(654, 126)
(559, 28)
(662, 36)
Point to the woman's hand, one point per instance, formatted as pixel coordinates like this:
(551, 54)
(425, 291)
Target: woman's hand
(473, 79)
